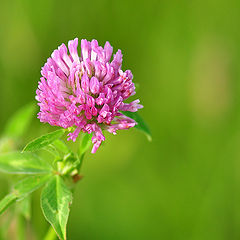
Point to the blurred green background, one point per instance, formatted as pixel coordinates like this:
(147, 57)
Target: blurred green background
(185, 55)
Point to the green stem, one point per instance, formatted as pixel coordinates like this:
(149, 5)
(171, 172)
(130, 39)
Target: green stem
(81, 161)
(1, 234)
(51, 235)
(21, 227)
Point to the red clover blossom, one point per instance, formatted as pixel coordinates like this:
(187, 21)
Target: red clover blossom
(86, 92)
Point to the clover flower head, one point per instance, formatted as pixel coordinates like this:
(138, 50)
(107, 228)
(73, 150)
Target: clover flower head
(86, 91)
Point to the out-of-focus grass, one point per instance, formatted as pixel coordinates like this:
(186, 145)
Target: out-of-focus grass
(185, 55)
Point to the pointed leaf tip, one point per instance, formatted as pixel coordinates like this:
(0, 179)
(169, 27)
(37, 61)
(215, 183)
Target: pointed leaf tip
(141, 125)
(43, 141)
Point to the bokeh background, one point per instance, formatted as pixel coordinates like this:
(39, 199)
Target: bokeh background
(185, 55)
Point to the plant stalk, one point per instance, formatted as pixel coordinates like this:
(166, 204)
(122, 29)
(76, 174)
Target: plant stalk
(21, 228)
(51, 235)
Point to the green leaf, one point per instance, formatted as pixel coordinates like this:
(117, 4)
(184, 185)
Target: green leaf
(55, 201)
(85, 143)
(29, 185)
(22, 189)
(44, 140)
(141, 125)
(23, 163)
(7, 201)
(61, 146)
(24, 207)
(20, 121)
(51, 149)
